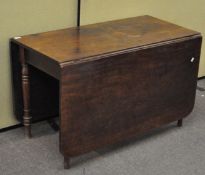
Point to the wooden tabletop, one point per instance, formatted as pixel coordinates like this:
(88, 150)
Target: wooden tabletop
(87, 41)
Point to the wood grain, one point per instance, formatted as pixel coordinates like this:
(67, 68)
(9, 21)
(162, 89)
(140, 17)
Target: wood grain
(109, 82)
(112, 99)
(78, 43)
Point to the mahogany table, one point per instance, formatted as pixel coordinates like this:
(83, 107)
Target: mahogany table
(108, 82)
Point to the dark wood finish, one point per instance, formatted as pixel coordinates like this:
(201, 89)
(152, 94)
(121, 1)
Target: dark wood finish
(109, 100)
(117, 79)
(44, 96)
(26, 93)
(72, 45)
(180, 123)
(50, 67)
(66, 163)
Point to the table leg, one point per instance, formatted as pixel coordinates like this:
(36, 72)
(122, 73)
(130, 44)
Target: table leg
(66, 163)
(180, 123)
(26, 94)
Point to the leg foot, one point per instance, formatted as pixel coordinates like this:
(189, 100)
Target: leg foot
(53, 124)
(27, 130)
(180, 123)
(66, 163)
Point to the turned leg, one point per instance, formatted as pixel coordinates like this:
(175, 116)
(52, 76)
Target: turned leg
(26, 94)
(66, 163)
(180, 123)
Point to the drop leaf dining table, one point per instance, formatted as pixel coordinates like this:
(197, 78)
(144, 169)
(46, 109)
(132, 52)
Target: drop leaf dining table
(108, 82)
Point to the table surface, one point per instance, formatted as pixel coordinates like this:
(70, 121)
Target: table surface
(73, 44)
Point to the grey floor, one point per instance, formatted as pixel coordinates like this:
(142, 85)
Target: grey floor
(167, 151)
